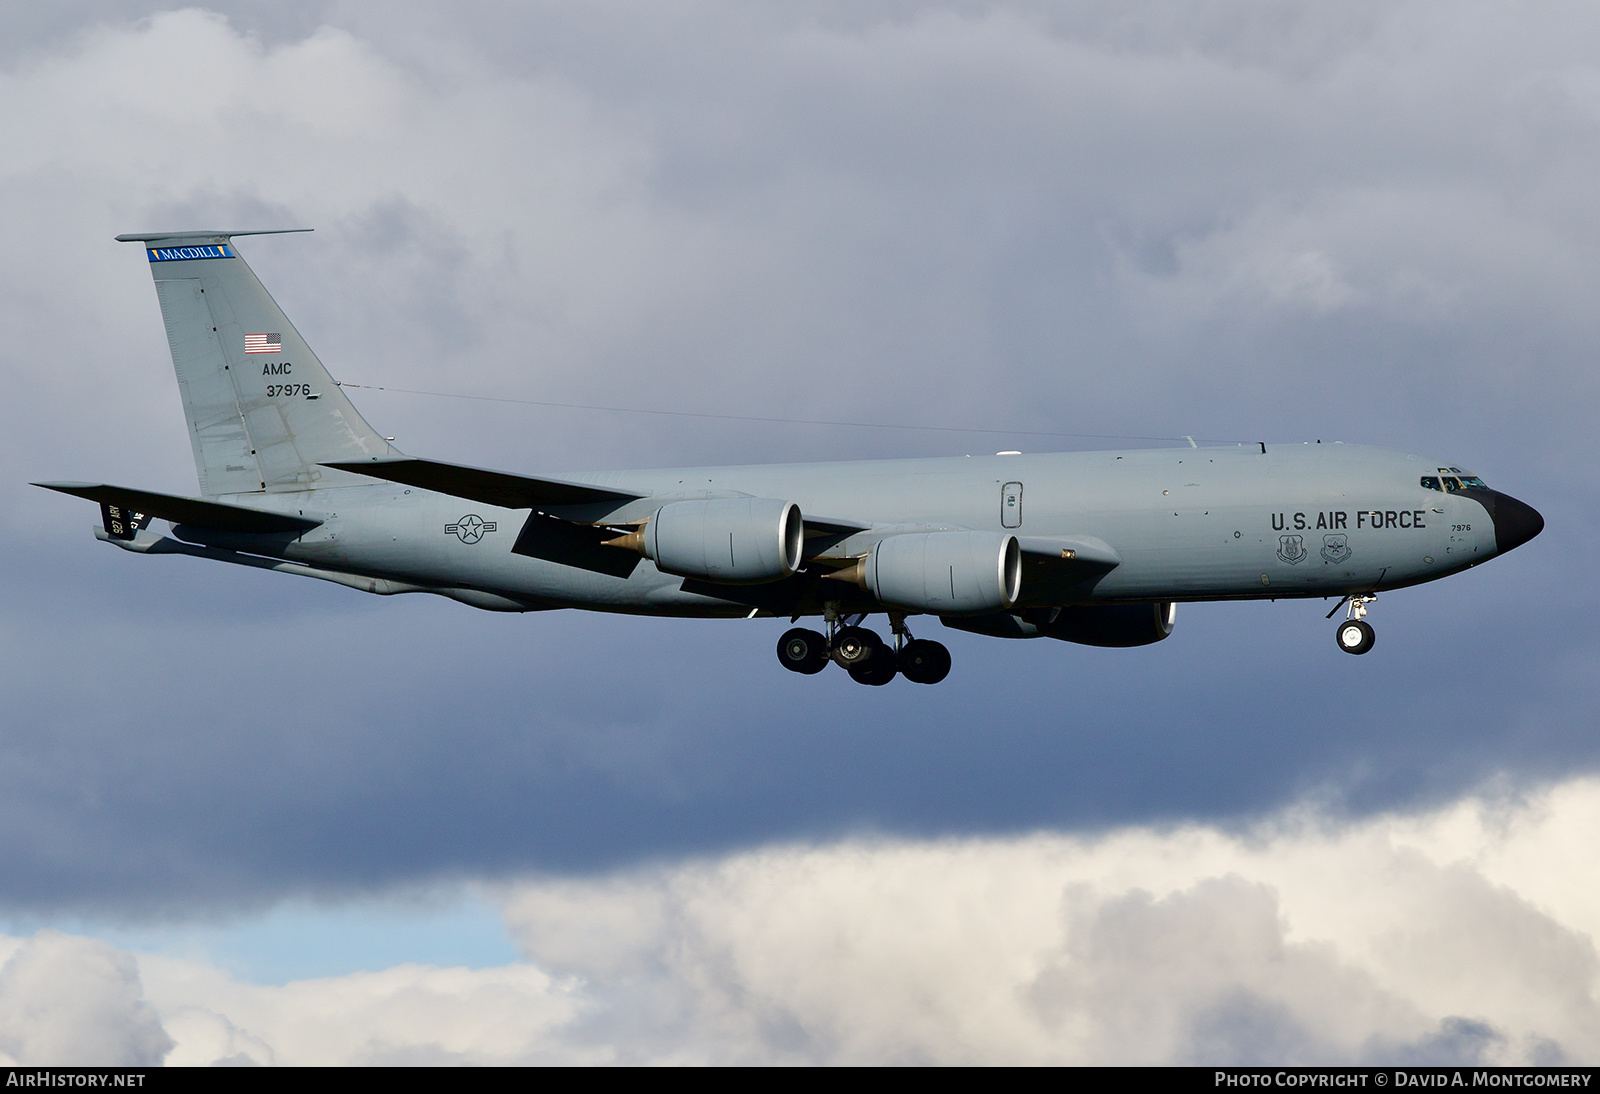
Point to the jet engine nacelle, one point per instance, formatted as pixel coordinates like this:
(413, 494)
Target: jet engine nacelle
(944, 572)
(736, 541)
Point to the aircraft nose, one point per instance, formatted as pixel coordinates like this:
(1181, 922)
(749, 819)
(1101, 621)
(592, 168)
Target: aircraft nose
(1515, 522)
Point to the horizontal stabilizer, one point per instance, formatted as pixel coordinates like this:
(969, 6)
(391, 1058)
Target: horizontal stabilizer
(178, 239)
(195, 511)
(499, 488)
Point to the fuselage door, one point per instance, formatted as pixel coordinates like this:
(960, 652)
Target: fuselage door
(1011, 505)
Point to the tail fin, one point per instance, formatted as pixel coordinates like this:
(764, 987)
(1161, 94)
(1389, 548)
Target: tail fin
(263, 413)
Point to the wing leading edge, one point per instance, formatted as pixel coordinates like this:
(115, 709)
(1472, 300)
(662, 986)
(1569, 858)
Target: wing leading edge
(510, 491)
(500, 488)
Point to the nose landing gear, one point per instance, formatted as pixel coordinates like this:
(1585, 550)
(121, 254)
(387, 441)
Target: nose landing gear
(1355, 634)
(866, 657)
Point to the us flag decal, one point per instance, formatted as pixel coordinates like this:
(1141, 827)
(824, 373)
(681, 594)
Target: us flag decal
(263, 343)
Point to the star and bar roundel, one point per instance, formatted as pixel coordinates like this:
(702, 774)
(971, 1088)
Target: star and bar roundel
(470, 528)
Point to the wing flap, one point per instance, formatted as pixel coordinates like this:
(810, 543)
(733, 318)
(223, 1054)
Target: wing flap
(179, 510)
(499, 488)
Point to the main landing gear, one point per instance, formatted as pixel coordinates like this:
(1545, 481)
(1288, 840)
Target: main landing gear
(866, 657)
(1355, 634)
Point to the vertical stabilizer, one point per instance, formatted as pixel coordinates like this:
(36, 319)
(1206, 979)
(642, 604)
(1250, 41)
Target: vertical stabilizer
(263, 413)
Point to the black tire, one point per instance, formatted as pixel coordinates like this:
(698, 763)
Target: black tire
(924, 662)
(803, 651)
(855, 646)
(1355, 636)
(877, 670)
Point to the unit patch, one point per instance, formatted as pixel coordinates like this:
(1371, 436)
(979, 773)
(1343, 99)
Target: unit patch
(1292, 549)
(1336, 548)
(188, 254)
(470, 528)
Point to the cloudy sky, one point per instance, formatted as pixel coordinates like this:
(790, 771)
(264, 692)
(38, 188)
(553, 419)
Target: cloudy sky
(246, 818)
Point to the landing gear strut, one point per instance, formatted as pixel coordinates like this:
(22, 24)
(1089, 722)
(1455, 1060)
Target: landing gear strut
(860, 652)
(1355, 634)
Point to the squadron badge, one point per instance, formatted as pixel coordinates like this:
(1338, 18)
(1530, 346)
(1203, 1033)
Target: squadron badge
(1292, 549)
(1336, 548)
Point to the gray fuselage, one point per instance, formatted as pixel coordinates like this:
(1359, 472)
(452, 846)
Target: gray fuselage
(1299, 520)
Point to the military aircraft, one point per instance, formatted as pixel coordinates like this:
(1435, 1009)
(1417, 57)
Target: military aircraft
(1087, 547)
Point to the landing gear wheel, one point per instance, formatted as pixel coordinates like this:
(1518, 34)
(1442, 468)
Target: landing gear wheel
(855, 646)
(877, 670)
(804, 651)
(924, 662)
(1355, 636)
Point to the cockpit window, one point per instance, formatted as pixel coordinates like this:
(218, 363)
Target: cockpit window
(1450, 479)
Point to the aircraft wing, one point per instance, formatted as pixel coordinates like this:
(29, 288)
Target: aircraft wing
(525, 491)
(196, 511)
(1053, 566)
(832, 526)
(499, 488)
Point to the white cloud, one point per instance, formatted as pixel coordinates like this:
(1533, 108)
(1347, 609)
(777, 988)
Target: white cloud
(75, 1001)
(410, 1014)
(1463, 934)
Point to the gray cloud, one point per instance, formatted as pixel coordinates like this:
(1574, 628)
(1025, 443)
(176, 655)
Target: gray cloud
(1233, 220)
